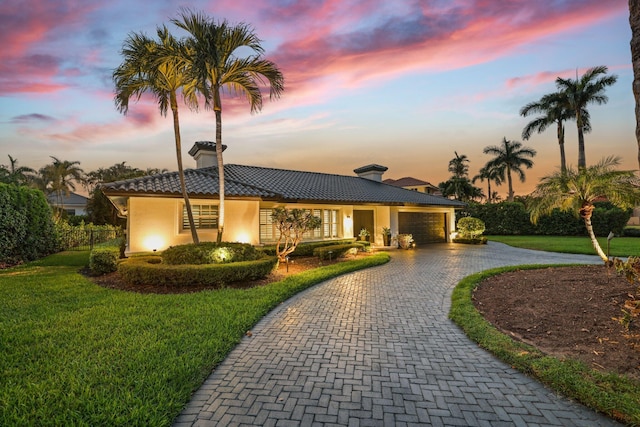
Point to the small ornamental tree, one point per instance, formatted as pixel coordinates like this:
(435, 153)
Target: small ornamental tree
(292, 224)
(470, 227)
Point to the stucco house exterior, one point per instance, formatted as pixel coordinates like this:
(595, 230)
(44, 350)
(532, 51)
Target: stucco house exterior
(415, 184)
(156, 215)
(72, 203)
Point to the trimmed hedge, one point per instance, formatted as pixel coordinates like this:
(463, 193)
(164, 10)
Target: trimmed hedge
(27, 227)
(150, 270)
(305, 249)
(103, 260)
(471, 241)
(337, 250)
(210, 253)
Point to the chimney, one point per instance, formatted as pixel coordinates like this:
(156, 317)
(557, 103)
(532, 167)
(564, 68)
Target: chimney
(373, 172)
(204, 152)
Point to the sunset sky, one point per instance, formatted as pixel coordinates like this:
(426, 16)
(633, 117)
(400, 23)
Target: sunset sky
(401, 83)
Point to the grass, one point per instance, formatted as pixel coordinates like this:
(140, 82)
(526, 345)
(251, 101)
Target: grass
(615, 395)
(73, 353)
(619, 246)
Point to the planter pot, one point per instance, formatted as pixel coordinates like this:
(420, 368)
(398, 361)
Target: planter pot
(386, 239)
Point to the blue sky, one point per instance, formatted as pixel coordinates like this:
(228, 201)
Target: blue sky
(403, 84)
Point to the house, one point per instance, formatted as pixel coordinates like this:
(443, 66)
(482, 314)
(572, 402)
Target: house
(72, 203)
(156, 213)
(414, 184)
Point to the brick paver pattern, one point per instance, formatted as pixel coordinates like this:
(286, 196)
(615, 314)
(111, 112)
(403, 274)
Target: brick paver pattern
(375, 348)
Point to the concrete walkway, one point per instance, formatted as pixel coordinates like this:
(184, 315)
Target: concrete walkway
(375, 348)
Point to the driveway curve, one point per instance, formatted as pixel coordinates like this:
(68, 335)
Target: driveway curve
(376, 348)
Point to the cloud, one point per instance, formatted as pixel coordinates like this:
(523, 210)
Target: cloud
(30, 118)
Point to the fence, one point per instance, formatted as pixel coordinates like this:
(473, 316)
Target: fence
(81, 239)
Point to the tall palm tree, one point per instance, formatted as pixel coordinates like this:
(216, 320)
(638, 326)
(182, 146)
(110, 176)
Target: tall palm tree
(160, 67)
(217, 66)
(490, 173)
(579, 93)
(62, 177)
(459, 165)
(634, 22)
(552, 110)
(509, 157)
(14, 174)
(576, 190)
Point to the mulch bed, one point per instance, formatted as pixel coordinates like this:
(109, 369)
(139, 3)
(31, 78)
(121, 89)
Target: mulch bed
(566, 312)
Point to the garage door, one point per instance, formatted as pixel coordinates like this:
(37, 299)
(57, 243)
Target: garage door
(425, 227)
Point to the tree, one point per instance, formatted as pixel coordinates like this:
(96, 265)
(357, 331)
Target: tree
(15, 175)
(490, 173)
(552, 110)
(459, 165)
(510, 157)
(634, 22)
(460, 188)
(576, 191)
(161, 67)
(577, 94)
(215, 47)
(61, 177)
(291, 225)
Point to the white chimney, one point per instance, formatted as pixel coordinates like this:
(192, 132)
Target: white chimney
(204, 152)
(373, 172)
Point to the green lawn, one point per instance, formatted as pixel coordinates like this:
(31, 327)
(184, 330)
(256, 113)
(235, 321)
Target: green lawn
(620, 246)
(73, 353)
(611, 394)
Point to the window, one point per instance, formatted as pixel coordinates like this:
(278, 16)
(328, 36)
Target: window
(204, 216)
(328, 229)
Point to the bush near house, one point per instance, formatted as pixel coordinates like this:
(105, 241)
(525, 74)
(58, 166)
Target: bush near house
(512, 218)
(305, 249)
(151, 269)
(27, 227)
(210, 253)
(338, 250)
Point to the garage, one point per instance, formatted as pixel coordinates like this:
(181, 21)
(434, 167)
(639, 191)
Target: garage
(424, 227)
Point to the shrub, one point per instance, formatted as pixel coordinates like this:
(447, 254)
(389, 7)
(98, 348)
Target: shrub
(210, 253)
(306, 249)
(471, 240)
(151, 270)
(608, 218)
(631, 232)
(470, 227)
(27, 227)
(104, 260)
(337, 250)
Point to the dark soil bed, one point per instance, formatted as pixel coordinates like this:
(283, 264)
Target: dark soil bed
(566, 312)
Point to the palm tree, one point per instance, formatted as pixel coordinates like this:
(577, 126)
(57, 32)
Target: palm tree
(62, 177)
(634, 22)
(579, 93)
(552, 110)
(162, 68)
(459, 165)
(510, 157)
(14, 174)
(490, 173)
(216, 66)
(576, 190)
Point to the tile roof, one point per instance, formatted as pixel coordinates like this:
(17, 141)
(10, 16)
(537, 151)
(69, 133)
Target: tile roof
(407, 181)
(67, 200)
(276, 184)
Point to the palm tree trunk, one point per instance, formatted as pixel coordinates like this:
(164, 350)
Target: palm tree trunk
(183, 186)
(634, 21)
(217, 107)
(585, 213)
(582, 161)
(510, 182)
(563, 158)
(489, 190)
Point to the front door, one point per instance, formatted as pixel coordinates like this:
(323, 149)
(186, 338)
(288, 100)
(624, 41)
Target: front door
(363, 219)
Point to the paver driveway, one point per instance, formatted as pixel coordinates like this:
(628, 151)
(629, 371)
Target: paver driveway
(375, 347)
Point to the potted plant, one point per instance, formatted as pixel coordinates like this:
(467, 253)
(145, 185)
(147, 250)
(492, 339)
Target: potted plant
(405, 241)
(386, 236)
(364, 234)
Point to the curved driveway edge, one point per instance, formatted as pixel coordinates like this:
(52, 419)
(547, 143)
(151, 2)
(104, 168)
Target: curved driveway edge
(376, 348)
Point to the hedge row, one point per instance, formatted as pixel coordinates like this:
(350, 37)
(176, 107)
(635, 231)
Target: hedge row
(150, 270)
(507, 218)
(337, 250)
(305, 249)
(26, 223)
